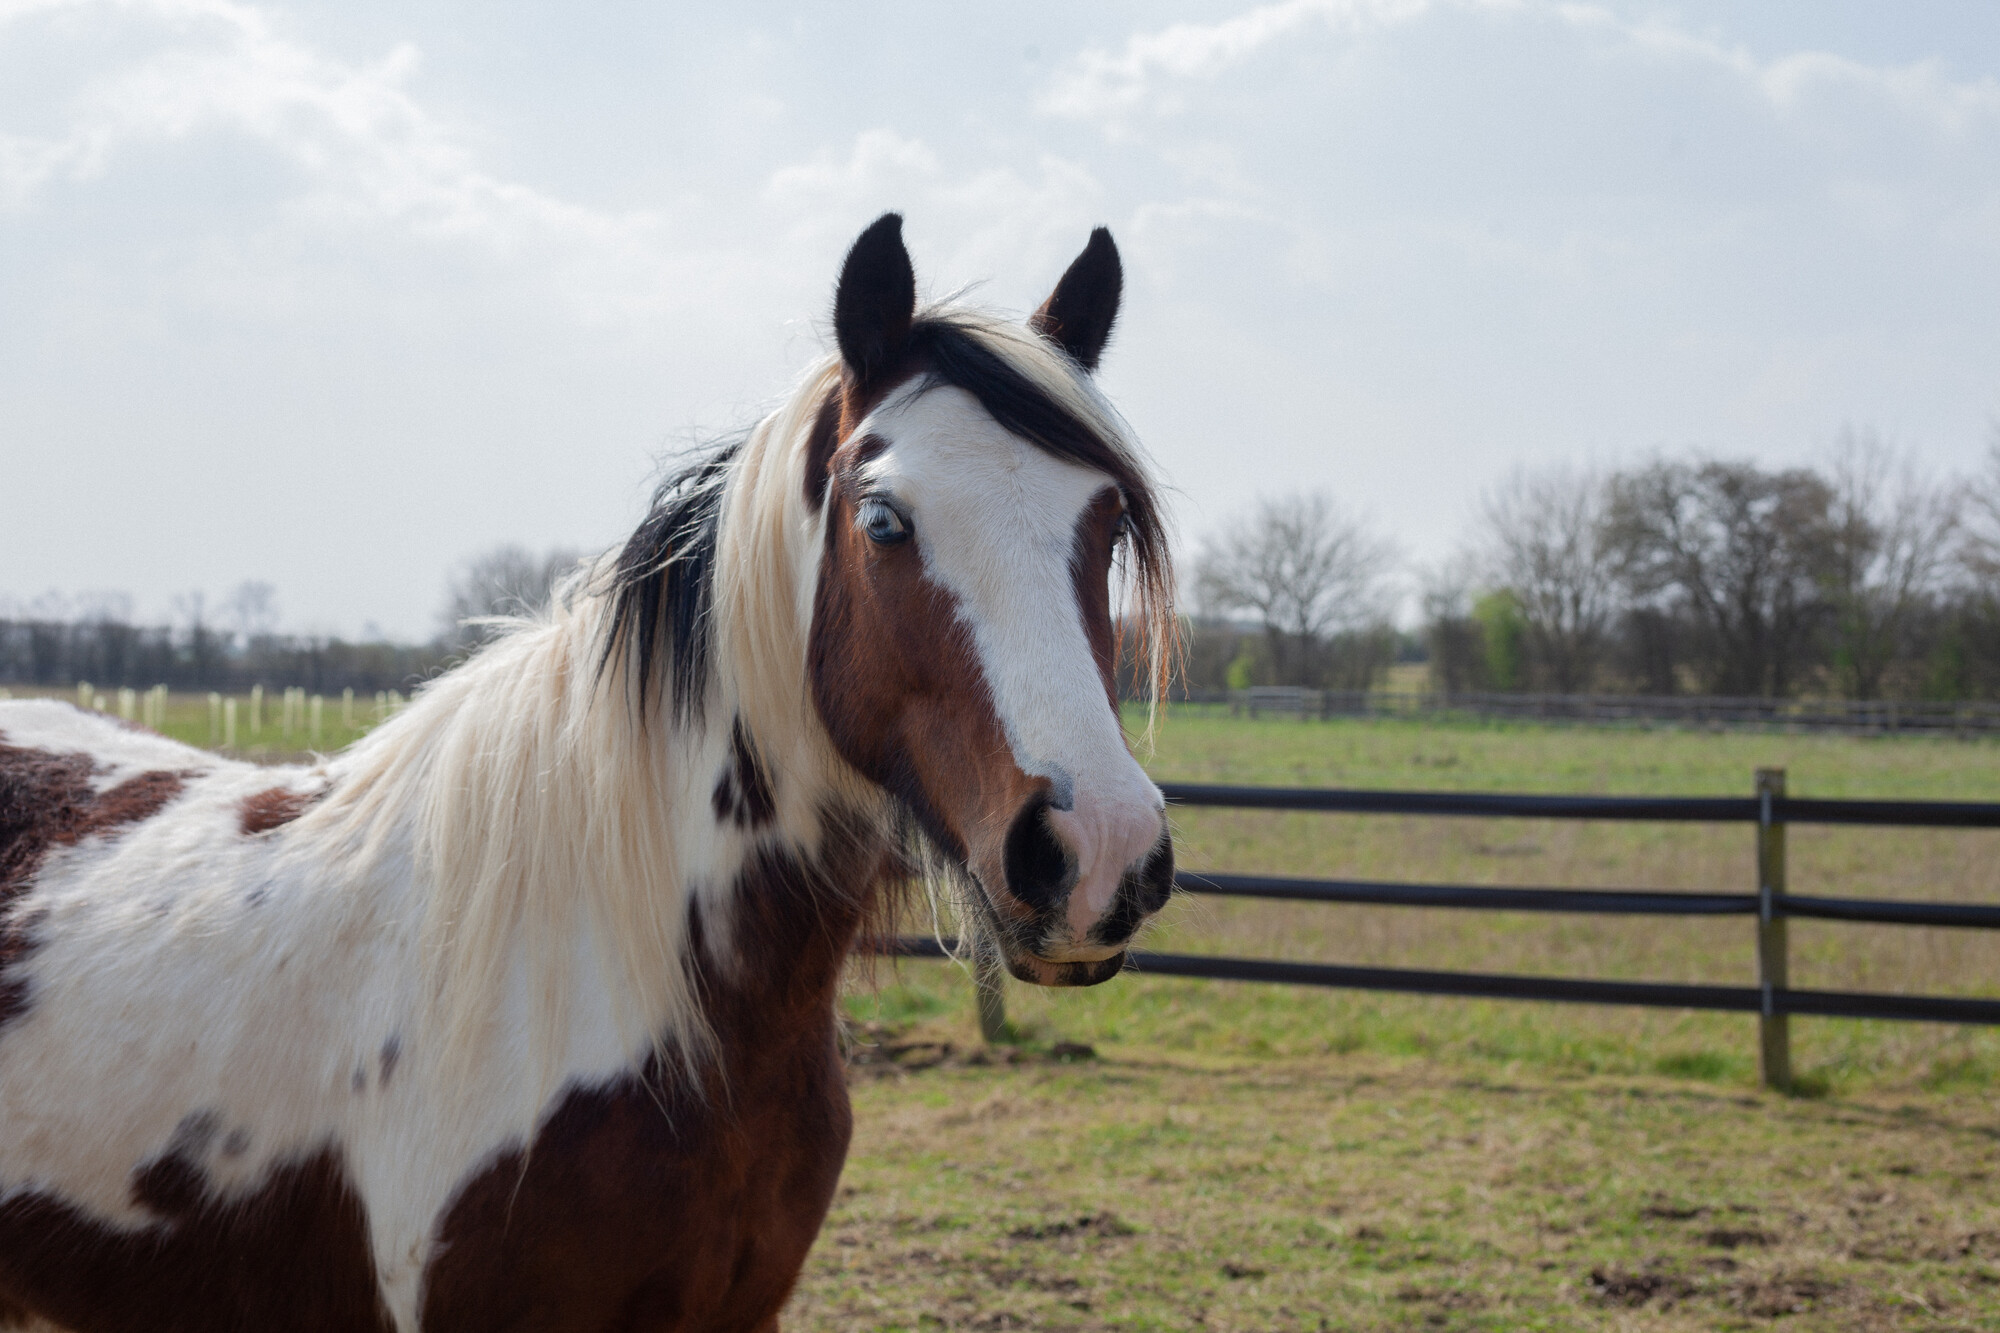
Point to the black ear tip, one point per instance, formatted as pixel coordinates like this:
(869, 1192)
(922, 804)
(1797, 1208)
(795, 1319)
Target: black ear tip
(880, 240)
(887, 227)
(876, 297)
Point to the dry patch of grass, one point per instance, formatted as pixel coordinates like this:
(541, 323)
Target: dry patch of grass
(1142, 1191)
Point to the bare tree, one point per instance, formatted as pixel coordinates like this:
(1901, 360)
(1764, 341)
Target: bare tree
(53, 606)
(253, 610)
(204, 646)
(1739, 551)
(104, 606)
(505, 581)
(1452, 636)
(1979, 552)
(1307, 571)
(1892, 535)
(1545, 532)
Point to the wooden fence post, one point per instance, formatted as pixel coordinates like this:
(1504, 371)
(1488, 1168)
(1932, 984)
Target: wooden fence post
(989, 979)
(1773, 1028)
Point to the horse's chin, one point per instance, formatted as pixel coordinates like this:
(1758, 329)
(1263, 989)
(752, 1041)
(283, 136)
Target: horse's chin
(1038, 971)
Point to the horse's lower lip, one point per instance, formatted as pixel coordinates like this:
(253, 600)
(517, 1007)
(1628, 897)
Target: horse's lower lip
(1082, 953)
(1040, 971)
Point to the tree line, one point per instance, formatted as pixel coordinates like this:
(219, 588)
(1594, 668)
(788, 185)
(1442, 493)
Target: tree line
(1860, 578)
(230, 645)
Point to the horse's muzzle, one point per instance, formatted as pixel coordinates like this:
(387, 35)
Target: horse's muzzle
(1067, 927)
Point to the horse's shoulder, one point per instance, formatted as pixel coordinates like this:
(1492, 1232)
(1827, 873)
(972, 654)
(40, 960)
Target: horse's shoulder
(639, 1193)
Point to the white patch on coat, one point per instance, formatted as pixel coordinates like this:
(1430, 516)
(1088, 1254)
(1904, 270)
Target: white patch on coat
(121, 751)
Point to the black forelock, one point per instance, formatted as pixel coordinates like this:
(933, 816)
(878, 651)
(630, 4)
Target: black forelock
(663, 584)
(952, 352)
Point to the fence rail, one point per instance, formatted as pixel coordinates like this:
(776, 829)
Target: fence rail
(1770, 810)
(1956, 717)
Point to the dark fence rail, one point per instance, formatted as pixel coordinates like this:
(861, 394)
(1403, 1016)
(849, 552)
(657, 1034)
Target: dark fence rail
(1952, 717)
(1500, 986)
(1770, 810)
(1668, 809)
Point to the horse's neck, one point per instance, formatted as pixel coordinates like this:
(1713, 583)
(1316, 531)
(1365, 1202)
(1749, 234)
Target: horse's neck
(797, 855)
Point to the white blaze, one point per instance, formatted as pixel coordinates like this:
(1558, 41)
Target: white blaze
(996, 520)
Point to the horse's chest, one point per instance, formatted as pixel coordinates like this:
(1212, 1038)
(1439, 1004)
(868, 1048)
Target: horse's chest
(629, 1216)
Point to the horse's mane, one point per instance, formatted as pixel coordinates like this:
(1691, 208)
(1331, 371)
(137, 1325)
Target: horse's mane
(552, 786)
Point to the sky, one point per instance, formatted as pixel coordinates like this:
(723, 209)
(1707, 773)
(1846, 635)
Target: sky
(335, 295)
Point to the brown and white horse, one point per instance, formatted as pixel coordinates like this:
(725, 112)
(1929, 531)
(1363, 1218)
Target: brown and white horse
(520, 1013)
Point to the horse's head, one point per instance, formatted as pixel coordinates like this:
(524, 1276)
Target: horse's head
(979, 500)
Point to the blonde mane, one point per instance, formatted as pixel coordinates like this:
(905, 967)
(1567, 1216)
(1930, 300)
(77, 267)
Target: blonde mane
(557, 812)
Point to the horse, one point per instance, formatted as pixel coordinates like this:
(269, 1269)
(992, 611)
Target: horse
(521, 1012)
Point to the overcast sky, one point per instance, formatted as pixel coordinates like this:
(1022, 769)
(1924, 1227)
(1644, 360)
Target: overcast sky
(333, 295)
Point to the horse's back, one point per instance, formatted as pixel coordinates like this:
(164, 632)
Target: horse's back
(167, 1153)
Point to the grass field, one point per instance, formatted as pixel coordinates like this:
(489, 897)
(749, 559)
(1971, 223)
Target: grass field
(189, 719)
(1251, 1157)
(1149, 1190)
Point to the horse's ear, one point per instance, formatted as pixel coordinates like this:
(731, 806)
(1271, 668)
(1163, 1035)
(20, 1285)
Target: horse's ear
(876, 299)
(1079, 313)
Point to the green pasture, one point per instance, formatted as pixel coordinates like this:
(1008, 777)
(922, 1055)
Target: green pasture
(1146, 1189)
(1231, 1156)
(262, 733)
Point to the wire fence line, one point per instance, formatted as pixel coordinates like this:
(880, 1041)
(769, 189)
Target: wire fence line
(1773, 1000)
(1936, 717)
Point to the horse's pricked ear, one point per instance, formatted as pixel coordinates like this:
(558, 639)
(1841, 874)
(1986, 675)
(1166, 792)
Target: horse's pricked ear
(1079, 313)
(876, 299)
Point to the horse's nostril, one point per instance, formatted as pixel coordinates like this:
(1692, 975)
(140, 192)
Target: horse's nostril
(1037, 864)
(1153, 882)
(1144, 891)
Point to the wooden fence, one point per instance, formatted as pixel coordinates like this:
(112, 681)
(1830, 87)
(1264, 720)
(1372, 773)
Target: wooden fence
(1965, 717)
(1773, 999)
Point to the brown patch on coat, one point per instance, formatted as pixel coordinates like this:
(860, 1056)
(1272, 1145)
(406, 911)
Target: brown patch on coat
(743, 793)
(653, 1204)
(46, 801)
(292, 1254)
(273, 808)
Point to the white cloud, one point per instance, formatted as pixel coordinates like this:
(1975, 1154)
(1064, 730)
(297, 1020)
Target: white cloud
(1100, 84)
(366, 151)
(1151, 71)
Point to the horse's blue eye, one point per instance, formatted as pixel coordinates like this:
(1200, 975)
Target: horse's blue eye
(1121, 531)
(884, 526)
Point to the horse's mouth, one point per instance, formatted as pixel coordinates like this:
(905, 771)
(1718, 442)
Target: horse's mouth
(1039, 971)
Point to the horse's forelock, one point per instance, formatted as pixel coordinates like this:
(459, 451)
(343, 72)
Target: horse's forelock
(661, 597)
(1037, 393)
